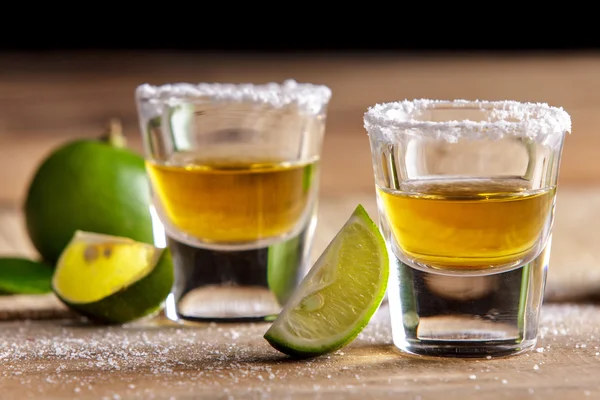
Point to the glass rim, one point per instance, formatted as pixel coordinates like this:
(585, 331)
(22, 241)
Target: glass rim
(507, 117)
(312, 98)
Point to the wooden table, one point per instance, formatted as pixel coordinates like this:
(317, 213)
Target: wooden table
(47, 100)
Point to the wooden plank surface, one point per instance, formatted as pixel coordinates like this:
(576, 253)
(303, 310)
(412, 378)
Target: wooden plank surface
(48, 99)
(61, 358)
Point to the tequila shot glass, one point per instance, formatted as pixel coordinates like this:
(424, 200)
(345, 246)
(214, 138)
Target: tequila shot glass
(234, 173)
(466, 196)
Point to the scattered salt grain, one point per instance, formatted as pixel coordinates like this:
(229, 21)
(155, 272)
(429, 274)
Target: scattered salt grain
(199, 360)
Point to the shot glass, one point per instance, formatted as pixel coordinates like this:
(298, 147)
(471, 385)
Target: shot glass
(234, 174)
(466, 197)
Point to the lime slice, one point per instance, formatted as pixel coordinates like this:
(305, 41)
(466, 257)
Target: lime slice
(112, 279)
(23, 276)
(339, 295)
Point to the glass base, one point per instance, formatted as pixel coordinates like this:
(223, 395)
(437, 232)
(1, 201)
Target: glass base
(227, 306)
(235, 285)
(467, 349)
(466, 316)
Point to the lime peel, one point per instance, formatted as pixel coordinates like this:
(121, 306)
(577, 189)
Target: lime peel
(340, 294)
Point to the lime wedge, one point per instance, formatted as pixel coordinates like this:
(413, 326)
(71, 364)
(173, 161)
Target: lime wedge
(23, 276)
(112, 279)
(338, 296)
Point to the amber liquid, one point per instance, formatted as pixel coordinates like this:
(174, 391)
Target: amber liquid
(232, 202)
(468, 223)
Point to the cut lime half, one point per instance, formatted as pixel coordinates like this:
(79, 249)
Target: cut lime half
(339, 295)
(112, 279)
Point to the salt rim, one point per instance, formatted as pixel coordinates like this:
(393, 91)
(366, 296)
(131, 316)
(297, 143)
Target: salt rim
(537, 121)
(310, 97)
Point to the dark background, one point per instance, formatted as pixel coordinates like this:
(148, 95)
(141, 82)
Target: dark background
(488, 31)
(323, 45)
(292, 27)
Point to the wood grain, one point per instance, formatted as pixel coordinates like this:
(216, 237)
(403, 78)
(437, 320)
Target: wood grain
(48, 99)
(155, 360)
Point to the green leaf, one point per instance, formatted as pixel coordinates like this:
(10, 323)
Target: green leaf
(23, 276)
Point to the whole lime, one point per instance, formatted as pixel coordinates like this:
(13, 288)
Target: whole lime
(90, 185)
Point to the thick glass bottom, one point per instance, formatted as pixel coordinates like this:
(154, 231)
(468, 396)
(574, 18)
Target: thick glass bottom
(220, 308)
(235, 286)
(466, 349)
(466, 316)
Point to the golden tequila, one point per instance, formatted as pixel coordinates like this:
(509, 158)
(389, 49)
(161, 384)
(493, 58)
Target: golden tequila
(468, 223)
(232, 201)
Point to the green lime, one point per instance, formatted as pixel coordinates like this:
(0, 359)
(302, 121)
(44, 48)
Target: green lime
(23, 276)
(339, 295)
(112, 279)
(90, 185)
